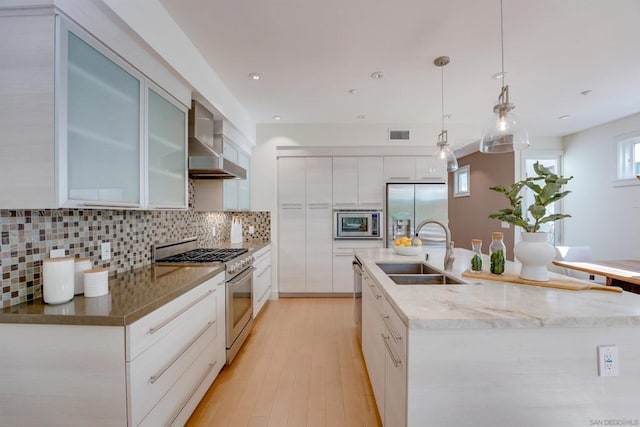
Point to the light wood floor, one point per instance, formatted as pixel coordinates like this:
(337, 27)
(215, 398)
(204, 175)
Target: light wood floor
(301, 366)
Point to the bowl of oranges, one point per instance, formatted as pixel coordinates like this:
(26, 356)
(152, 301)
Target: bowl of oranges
(403, 246)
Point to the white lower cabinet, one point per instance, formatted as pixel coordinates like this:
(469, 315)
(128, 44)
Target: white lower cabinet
(164, 374)
(152, 372)
(343, 260)
(318, 248)
(261, 278)
(372, 344)
(384, 345)
(291, 249)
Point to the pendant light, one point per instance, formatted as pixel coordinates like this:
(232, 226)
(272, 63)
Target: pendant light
(503, 132)
(444, 152)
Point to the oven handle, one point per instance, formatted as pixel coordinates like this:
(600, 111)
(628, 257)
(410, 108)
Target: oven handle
(241, 277)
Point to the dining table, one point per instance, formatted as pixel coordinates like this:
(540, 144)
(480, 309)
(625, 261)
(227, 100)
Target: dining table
(623, 273)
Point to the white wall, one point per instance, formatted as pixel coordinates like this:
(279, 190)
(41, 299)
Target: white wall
(605, 217)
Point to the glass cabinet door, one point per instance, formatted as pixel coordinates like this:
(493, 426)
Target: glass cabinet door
(103, 110)
(243, 184)
(166, 132)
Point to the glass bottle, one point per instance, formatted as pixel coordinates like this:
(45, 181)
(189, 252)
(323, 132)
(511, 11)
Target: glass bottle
(476, 259)
(497, 251)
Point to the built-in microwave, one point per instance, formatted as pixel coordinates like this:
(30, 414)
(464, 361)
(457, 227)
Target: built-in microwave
(357, 224)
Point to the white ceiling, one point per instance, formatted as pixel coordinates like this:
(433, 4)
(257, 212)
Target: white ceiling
(311, 52)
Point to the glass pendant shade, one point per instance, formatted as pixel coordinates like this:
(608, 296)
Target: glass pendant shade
(444, 153)
(503, 134)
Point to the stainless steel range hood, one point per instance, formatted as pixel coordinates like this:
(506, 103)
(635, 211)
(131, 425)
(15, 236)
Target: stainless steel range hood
(205, 150)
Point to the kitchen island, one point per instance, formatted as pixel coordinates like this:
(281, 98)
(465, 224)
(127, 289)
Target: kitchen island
(495, 353)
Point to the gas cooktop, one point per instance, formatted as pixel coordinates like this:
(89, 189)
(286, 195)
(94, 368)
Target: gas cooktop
(203, 255)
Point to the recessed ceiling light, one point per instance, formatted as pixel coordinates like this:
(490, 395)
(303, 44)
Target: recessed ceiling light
(499, 76)
(361, 117)
(586, 92)
(353, 91)
(564, 117)
(276, 117)
(447, 116)
(254, 76)
(377, 75)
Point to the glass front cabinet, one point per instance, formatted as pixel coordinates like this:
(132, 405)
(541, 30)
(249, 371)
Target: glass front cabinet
(121, 140)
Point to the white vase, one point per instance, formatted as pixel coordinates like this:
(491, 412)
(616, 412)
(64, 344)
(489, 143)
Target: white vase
(535, 253)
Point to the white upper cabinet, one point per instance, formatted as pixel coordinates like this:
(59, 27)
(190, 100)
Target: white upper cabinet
(420, 168)
(358, 182)
(318, 180)
(101, 134)
(345, 181)
(430, 167)
(291, 181)
(167, 165)
(244, 192)
(370, 182)
(399, 168)
(99, 127)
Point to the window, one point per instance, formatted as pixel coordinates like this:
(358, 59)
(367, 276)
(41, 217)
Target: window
(628, 169)
(461, 179)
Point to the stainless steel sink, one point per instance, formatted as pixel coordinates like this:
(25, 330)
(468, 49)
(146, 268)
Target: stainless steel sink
(413, 273)
(407, 268)
(424, 279)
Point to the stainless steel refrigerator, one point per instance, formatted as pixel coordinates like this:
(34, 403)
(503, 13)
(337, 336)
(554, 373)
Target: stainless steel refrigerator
(406, 205)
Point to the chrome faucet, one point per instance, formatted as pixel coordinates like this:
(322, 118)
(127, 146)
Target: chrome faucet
(448, 254)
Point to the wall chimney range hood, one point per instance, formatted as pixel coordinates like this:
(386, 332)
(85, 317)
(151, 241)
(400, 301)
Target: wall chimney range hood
(205, 149)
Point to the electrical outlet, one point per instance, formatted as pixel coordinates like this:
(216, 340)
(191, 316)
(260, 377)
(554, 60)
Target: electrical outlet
(105, 249)
(213, 231)
(608, 361)
(504, 224)
(252, 229)
(57, 253)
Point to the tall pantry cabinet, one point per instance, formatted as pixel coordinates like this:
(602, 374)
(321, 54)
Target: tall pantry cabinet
(304, 225)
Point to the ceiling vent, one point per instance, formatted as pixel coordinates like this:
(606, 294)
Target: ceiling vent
(399, 135)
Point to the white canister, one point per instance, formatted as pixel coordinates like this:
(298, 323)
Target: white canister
(57, 280)
(96, 282)
(81, 265)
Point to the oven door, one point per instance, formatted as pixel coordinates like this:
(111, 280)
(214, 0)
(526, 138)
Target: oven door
(357, 225)
(239, 304)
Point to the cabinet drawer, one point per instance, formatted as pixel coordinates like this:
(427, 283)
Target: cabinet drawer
(168, 319)
(395, 328)
(262, 254)
(168, 410)
(155, 371)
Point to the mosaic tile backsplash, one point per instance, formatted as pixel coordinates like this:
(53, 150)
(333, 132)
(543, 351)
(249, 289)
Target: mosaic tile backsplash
(27, 237)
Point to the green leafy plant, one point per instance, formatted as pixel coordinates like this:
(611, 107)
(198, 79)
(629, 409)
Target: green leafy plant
(545, 195)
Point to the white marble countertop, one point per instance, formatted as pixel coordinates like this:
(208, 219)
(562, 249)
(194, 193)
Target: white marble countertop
(487, 304)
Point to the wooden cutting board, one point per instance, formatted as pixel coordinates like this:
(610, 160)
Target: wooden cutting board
(555, 282)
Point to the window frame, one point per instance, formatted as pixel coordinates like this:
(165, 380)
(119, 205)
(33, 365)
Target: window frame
(625, 174)
(456, 181)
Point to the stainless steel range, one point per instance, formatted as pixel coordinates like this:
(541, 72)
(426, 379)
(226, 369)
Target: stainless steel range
(239, 283)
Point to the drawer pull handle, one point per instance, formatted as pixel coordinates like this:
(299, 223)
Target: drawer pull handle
(110, 205)
(173, 419)
(262, 272)
(396, 362)
(378, 296)
(167, 321)
(157, 376)
(394, 336)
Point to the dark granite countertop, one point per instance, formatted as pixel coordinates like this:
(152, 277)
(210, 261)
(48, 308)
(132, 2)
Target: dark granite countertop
(131, 296)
